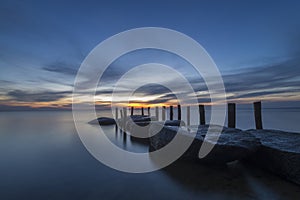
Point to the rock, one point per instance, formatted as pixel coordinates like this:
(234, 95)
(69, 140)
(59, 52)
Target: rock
(142, 118)
(103, 121)
(233, 144)
(130, 125)
(174, 123)
(279, 153)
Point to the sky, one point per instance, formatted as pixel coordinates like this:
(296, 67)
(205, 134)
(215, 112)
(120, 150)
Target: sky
(255, 45)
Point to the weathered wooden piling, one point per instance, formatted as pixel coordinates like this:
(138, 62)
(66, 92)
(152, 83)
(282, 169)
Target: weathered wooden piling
(202, 114)
(142, 110)
(116, 118)
(125, 119)
(257, 115)
(132, 108)
(179, 112)
(231, 115)
(121, 120)
(156, 113)
(171, 113)
(117, 113)
(163, 113)
(188, 115)
(149, 111)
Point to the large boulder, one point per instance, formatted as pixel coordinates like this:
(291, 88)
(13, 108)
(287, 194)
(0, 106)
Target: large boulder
(279, 153)
(103, 121)
(233, 144)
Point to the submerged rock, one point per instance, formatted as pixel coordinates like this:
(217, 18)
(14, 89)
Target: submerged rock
(103, 121)
(279, 153)
(233, 144)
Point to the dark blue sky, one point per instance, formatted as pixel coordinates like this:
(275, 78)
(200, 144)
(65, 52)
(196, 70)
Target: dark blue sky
(42, 43)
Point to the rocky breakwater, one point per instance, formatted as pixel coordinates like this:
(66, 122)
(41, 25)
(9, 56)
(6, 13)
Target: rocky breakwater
(233, 144)
(279, 153)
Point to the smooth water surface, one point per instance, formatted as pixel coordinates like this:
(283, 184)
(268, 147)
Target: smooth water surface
(42, 157)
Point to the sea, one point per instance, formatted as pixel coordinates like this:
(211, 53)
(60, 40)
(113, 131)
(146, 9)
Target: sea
(42, 157)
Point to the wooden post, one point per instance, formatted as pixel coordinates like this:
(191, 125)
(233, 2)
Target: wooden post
(149, 111)
(157, 113)
(188, 115)
(125, 112)
(179, 112)
(121, 120)
(125, 118)
(142, 110)
(116, 118)
(117, 113)
(131, 111)
(257, 115)
(163, 113)
(202, 114)
(171, 113)
(231, 115)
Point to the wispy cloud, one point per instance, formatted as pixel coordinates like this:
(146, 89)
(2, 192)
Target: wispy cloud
(45, 96)
(61, 67)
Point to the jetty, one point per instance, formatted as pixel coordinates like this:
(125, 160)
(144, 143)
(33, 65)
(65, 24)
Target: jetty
(272, 150)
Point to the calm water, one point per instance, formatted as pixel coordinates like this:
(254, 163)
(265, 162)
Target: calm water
(42, 157)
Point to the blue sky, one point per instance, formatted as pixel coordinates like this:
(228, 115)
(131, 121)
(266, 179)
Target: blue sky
(255, 44)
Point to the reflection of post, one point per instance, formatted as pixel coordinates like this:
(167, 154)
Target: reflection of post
(188, 115)
(131, 111)
(202, 114)
(171, 112)
(149, 111)
(231, 115)
(257, 115)
(157, 113)
(179, 112)
(163, 113)
(143, 111)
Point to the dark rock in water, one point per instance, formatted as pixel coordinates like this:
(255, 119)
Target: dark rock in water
(103, 121)
(174, 123)
(111, 121)
(279, 153)
(142, 118)
(233, 144)
(139, 126)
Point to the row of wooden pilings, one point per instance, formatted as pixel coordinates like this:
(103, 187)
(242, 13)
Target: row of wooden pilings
(231, 114)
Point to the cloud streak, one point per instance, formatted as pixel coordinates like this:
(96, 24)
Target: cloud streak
(45, 96)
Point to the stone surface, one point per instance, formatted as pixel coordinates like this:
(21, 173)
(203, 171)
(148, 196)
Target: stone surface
(174, 123)
(142, 118)
(233, 144)
(130, 125)
(279, 153)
